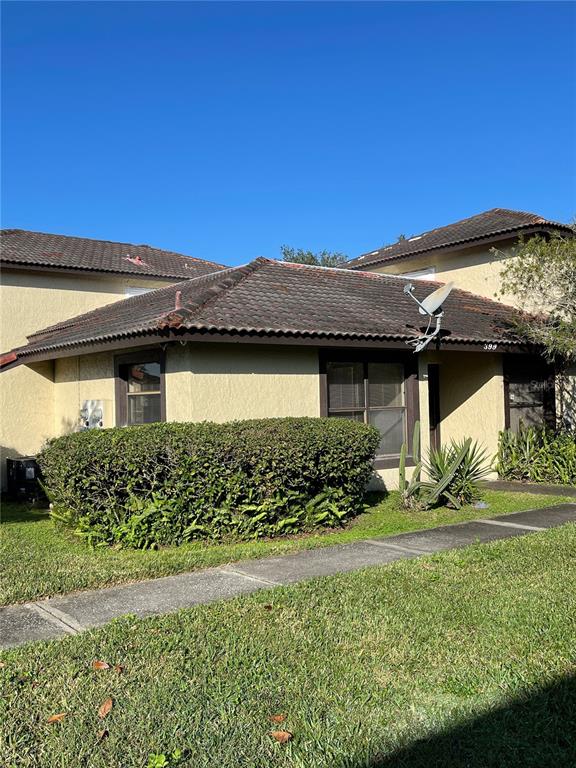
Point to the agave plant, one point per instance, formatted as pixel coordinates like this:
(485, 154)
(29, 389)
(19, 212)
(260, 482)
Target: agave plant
(456, 470)
(453, 474)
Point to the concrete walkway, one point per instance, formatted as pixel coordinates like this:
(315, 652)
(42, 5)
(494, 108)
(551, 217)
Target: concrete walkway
(71, 614)
(515, 486)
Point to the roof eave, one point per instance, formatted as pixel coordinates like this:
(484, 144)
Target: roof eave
(148, 337)
(503, 234)
(70, 269)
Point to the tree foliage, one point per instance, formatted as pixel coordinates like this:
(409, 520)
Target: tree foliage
(542, 279)
(319, 259)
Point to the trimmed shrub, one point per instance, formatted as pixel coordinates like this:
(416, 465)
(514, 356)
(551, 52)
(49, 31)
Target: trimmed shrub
(537, 455)
(164, 484)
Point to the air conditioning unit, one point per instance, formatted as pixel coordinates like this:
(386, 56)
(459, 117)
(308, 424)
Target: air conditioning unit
(22, 476)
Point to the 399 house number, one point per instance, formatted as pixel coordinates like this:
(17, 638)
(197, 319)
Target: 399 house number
(491, 347)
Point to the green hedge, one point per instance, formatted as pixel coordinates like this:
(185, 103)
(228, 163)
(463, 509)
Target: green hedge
(537, 455)
(161, 484)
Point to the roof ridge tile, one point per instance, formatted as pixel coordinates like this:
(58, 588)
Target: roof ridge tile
(273, 299)
(229, 279)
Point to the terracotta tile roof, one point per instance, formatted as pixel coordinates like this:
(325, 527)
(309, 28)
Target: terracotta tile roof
(271, 299)
(80, 253)
(493, 223)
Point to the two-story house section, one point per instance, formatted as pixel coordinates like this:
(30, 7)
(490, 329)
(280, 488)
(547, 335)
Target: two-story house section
(471, 253)
(47, 278)
(463, 252)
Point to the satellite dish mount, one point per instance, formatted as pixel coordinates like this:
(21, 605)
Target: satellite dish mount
(432, 307)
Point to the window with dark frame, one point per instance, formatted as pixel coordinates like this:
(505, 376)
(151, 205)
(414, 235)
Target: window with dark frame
(139, 389)
(372, 392)
(529, 393)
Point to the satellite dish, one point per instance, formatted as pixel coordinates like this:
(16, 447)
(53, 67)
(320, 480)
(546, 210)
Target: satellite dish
(434, 301)
(431, 306)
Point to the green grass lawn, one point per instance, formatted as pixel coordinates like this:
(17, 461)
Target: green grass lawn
(466, 658)
(37, 560)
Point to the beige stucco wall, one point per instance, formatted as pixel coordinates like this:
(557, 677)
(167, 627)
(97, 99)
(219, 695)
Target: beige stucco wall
(26, 411)
(472, 269)
(471, 403)
(211, 382)
(89, 377)
(34, 300)
(471, 397)
(30, 301)
(204, 382)
(222, 382)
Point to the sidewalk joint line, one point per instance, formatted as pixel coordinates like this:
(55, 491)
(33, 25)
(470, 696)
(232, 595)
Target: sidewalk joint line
(252, 578)
(56, 618)
(386, 544)
(65, 618)
(68, 625)
(511, 525)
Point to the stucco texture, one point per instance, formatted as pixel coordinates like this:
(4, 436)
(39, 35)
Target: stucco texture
(29, 301)
(474, 269)
(89, 377)
(222, 382)
(472, 397)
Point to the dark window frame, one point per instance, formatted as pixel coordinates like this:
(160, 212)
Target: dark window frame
(526, 368)
(121, 384)
(434, 411)
(411, 391)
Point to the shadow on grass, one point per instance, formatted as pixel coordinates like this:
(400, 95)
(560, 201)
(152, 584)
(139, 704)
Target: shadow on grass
(536, 730)
(371, 498)
(18, 512)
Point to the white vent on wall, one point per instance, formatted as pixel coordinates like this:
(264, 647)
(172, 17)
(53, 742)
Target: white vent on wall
(92, 414)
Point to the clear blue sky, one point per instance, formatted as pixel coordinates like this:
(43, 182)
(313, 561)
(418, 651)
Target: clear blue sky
(224, 130)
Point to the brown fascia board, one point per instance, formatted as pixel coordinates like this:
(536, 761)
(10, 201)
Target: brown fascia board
(165, 337)
(17, 266)
(458, 246)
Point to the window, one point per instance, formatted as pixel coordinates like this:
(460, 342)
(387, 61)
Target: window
(529, 393)
(133, 290)
(139, 389)
(427, 273)
(372, 392)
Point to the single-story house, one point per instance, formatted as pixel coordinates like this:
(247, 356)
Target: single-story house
(278, 339)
